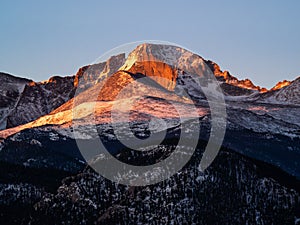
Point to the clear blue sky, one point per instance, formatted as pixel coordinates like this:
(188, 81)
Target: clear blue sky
(254, 39)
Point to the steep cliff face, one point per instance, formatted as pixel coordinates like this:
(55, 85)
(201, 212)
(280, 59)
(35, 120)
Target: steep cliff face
(147, 57)
(160, 72)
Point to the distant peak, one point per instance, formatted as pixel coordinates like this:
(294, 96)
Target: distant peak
(281, 84)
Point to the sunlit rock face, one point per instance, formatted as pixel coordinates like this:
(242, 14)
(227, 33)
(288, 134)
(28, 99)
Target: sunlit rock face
(253, 180)
(160, 72)
(28, 100)
(226, 77)
(169, 66)
(287, 93)
(281, 84)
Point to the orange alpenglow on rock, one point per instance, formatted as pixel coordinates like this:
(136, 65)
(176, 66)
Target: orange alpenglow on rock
(281, 84)
(226, 77)
(161, 72)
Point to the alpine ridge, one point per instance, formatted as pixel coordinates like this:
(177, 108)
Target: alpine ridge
(255, 178)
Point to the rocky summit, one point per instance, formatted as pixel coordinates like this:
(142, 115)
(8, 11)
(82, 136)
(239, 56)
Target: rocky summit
(46, 178)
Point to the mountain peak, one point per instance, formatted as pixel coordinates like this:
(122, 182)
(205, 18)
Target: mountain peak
(285, 92)
(172, 55)
(184, 60)
(281, 84)
(87, 75)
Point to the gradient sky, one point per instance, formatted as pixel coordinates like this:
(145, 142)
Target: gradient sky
(252, 39)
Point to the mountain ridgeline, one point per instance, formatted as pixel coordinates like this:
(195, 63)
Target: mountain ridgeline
(255, 178)
(26, 100)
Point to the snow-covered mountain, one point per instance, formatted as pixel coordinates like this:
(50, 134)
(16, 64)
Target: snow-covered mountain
(11, 88)
(254, 179)
(289, 93)
(182, 60)
(171, 67)
(40, 98)
(32, 100)
(23, 100)
(248, 108)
